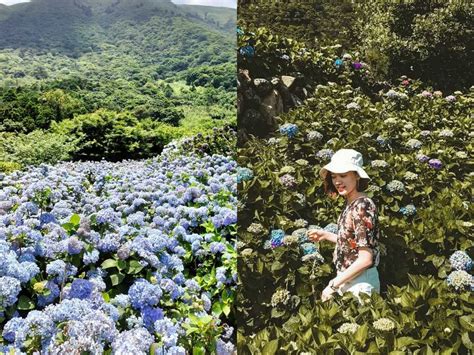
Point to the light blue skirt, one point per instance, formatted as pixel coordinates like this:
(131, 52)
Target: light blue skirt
(368, 281)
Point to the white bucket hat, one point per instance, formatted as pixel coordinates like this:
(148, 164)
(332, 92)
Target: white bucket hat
(345, 160)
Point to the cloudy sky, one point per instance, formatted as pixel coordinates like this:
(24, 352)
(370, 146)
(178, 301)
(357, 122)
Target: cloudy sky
(223, 3)
(11, 2)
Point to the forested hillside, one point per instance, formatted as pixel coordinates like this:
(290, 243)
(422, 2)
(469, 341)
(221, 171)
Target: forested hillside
(72, 67)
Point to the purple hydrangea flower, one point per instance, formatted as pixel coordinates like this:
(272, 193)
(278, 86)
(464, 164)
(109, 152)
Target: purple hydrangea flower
(435, 164)
(422, 158)
(288, 181)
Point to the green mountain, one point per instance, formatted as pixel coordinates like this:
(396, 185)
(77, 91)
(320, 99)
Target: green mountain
(151, 31)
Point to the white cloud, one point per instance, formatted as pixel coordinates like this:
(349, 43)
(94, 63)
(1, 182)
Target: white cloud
(219, 3)
(12, 2)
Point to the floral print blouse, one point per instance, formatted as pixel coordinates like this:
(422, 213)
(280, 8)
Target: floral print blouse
(357, 227)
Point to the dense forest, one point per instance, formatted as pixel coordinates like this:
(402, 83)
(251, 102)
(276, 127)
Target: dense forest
(113, 79)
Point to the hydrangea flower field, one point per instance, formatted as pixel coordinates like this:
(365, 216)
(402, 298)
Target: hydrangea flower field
(417, 148)
(135, 257)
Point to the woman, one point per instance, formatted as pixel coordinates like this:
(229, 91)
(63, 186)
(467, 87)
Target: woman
(357, 253)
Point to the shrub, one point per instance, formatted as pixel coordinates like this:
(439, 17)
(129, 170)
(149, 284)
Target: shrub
(36, 147)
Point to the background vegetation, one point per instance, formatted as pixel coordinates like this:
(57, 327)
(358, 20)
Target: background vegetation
(137, 73)
(407, 111)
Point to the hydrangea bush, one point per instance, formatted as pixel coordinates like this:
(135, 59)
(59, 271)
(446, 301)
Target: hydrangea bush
(416, 149)
(131, 257)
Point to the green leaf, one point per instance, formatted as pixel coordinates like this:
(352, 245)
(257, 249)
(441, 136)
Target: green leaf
(467, 322)
(75, 219)
(134, 267)
(226, 309)
(277, 266)
(270, 348)
(404, 341)
(25, 303)
(199, 350)
(361, 334)
(466, 340)
(217, 309)
(68, 227)
(109, 263)
(121, 264)
(106, 297)
(277, 313)
(116, 279)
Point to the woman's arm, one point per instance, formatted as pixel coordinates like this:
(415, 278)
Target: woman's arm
(316, 235)
(364, 261)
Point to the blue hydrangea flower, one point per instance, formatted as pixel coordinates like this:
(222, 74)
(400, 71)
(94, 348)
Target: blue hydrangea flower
(46, 218)
(332, 228)
(91, 258)
(74, 246)
(325, 154)
(9, 290)
(168, 331)
(121, 300)
(11, 328)
(247, 51)
(244, 174)
(57, 268)
(460, 261)
(308, 248)
(51, 297)
(217, 247)
(276, 237)
(81, 289)
(289, 129)
(408, 210)
(142, 294)
(135, 341)
(150, 315)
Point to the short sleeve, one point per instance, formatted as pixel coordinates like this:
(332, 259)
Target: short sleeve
(363, 222)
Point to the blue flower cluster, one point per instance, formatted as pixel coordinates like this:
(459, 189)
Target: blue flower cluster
(289, 129)
(461, 261)
(408, 210)
(276, 237)
(62, 224)
(244, 174)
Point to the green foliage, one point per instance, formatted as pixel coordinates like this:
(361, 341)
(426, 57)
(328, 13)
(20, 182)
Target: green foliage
(427, 40)
(416, 244)
(220, 141)
(426, 316)
(215, 76)
(276, 55)
(35, 148)
(114, 57)
(9, 167)
(313, 22)
(116, 136)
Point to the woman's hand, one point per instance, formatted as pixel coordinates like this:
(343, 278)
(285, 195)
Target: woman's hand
(327, 293)
(317, 235)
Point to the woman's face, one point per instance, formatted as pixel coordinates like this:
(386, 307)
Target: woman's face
(345, 183)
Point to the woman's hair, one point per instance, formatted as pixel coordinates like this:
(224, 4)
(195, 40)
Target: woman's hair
(330, 189)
